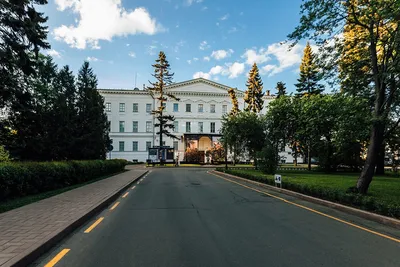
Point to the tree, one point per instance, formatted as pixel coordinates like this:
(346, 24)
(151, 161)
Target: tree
(379, 20)
(308, 83)
(231, 139)
(159, 89)
(253, 95)
(4, 155)
(281, 88)
(235, 104)
(93, 126)
(22, 34)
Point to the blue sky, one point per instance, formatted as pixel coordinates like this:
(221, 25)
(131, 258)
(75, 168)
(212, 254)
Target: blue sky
(214, 39)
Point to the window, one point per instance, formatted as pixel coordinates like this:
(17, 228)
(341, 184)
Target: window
(148, 108)
(109, 126)
(148, 145)
(135, 107)
(164, 105)
(200, 109)
(200, 127)
(121, 126)
(108, 107)
(176, 127)
(176, 107)
(121, 107)
(121, 146)
(224, 109)
(135, 126)
(163, 143)
(188, 108)
(176, 145)
(212, 127)
(134, 146)
(188, 126)
(149, 127)
(212, 108)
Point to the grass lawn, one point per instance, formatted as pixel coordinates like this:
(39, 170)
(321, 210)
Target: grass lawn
(384, 190)
(19, 202)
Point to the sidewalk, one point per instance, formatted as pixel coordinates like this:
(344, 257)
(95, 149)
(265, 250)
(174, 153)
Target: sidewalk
(28, 231)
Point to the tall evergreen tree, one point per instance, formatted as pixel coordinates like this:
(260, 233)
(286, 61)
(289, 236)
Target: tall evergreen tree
(281, 88)
(93, 126)
(22, 34)
(253, 95)
(235, 104)
(308, 83)
(159, 91)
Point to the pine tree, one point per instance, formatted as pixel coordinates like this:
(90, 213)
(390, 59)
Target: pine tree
(281, 88)
(22, 35)
(93, 132)
(253, 95)
(308, 83)
(235, 104)
(159, 91)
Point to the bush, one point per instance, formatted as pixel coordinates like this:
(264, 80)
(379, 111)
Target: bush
(18, 179)
(268, 159)
(364, 202)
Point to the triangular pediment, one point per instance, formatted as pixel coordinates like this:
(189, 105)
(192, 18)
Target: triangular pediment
(199, 85)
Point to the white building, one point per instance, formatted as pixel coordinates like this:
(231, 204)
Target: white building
(197, 117)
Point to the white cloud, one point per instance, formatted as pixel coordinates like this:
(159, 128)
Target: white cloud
(216, 70)
(54, 53)
(204, 45)
(201, 74)
(232, 30)
(195, 59)
(94, 59)
(235, 69)
(102, 20)
(132, 54)
(225, 17)
(151, 50)
(177, 58)
(206, 58)
(128, 44)
(285, 56)
(204, 8)
(190, 2)
(253, 56)
(189, 61)
(221, 54)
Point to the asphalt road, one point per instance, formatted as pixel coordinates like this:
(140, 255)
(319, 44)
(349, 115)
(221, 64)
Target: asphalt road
(187, 217)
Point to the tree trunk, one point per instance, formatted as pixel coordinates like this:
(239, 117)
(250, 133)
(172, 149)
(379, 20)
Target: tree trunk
(295, 156)
(372, 156)
(380, 164)
(309, 158)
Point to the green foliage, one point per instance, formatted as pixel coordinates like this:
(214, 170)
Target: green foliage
(4, 155)
(22, 35)
(159, 90)
(383, 199)
(22, 179)
(253, 95)
(308, 83)
(268, 158)
(281, 89)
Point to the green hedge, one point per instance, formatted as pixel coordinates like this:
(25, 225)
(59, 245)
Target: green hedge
(18, 179)
(364, 202)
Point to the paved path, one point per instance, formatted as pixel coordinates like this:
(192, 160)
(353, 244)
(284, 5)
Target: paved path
(25, 229)
(186, 217)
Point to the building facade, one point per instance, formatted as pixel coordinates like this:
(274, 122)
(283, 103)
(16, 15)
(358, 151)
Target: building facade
(197, 115)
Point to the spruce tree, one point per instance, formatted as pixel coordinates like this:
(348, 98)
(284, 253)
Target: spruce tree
(158, 90)
(281, 88)
(253, 95)
(22, 35)
(235, 104)
(308, 83)
(93, 126)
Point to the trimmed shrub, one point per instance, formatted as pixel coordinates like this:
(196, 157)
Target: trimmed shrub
(18, 179)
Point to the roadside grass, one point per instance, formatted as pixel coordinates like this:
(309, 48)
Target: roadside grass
(22, 201)
(383, 196)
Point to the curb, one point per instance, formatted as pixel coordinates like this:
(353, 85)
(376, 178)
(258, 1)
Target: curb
(360, 213)
(47, 245)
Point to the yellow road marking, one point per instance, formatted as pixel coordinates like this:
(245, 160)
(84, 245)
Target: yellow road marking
(57, 258)
(115, 205)
(138, 182)
(133, 187)
(312, 210)
(94, 225)
(124, 196)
